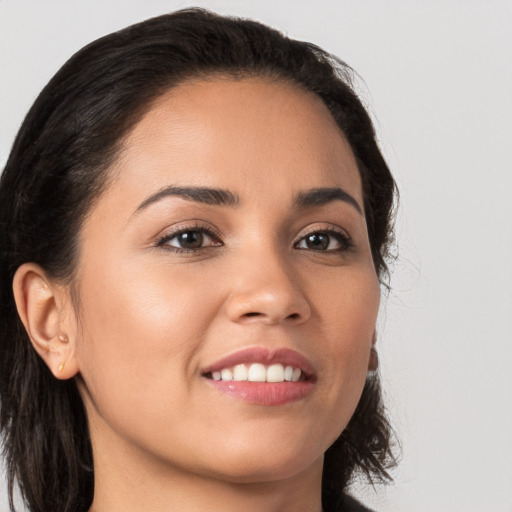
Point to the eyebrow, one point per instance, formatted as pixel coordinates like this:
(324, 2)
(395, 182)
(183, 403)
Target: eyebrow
(322, 196)
(213, 196)
(222, 197)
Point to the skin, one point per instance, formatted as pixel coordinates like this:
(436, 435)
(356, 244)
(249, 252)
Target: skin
(151, 316)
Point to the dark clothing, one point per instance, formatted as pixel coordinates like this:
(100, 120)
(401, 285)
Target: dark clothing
(349, 504)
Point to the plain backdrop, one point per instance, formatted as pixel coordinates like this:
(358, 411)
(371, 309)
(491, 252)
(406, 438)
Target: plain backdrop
(438, 81)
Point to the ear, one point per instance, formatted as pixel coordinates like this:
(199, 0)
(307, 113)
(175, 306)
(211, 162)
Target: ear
(373, 360)
(46, 311)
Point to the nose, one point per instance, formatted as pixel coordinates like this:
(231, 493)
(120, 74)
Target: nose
(266, 290)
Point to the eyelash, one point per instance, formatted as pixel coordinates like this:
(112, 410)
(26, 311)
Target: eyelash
(344, 240)
(162, 242)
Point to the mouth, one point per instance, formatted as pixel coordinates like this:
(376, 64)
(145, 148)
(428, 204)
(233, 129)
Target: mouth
(257, 372)
(263, 377)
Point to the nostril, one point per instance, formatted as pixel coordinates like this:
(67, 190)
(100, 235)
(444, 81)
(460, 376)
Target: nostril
(251, 314)
(267, 307)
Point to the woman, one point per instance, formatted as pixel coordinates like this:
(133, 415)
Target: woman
(195, 217)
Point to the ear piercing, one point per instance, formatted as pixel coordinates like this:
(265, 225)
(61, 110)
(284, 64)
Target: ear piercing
(64, 339)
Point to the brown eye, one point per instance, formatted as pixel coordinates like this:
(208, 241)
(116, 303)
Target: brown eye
(325, 241)
(317, 241)
(189, 240)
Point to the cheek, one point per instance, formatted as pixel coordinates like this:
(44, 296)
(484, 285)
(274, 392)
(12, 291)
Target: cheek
(349, 313)
(141, 327)
(348, 305)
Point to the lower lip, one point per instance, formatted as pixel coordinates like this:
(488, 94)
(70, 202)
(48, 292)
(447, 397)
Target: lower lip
(264, 393)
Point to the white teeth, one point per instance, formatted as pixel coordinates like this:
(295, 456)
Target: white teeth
(240, 372)
(226, 374)
(275, 373)
(257, 372)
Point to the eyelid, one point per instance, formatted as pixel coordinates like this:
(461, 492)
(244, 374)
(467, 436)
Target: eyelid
(329, 229)
(324, 227)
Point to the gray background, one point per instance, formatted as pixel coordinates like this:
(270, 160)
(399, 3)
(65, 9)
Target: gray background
(438, 79)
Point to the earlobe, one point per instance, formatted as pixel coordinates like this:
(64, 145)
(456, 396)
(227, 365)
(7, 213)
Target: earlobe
(373, 361)
(45, 311)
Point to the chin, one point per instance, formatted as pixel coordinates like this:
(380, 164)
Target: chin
(253, 464)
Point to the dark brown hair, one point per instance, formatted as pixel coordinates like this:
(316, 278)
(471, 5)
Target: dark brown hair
(59, 166)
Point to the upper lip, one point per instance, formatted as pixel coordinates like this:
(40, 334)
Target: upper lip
(266, 356)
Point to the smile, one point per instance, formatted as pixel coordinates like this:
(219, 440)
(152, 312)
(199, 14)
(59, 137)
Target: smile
(257, 372)
(263, 377)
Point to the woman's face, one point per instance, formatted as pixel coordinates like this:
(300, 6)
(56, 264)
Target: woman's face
(230, 241)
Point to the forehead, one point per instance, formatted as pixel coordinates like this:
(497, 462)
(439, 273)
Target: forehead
(250, 134)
